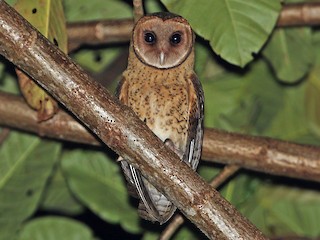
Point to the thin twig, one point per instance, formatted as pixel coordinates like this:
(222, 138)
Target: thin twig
(223, 175)
(137, 10)
(175, 223)
(178, 220)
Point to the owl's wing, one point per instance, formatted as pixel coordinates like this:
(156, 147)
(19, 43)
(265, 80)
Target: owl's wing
(133, 176)
(195, 128)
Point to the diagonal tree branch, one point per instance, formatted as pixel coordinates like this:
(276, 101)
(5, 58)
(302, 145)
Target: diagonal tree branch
(118, 127)
(178, 220)
(255, 153)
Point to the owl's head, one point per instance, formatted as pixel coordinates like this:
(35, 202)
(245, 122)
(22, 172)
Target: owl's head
(162, 40)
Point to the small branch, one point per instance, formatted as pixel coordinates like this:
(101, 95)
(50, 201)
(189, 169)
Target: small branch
(178, 220)
(118, 127)
(15, 113)
(299, 14)
(137, 10)
(255, 153)
(98, 32)
(223, 175)
(175, 223)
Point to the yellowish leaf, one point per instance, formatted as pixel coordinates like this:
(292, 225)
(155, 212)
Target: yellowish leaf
(48, 17)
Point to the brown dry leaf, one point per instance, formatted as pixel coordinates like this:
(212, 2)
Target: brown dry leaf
(48, 17)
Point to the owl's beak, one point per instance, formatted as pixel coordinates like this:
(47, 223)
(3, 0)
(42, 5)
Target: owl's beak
(161, 58)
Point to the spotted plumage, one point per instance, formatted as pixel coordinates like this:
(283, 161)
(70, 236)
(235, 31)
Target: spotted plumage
(161, 87)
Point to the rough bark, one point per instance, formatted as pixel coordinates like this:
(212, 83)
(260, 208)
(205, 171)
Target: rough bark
(299, 14)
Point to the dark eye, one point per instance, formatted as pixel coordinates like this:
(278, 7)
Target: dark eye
(149, 37)
(175, 38)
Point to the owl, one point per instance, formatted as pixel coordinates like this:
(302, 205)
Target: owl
(161, 87)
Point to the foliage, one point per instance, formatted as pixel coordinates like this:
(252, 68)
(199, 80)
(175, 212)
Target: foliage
(257, 80)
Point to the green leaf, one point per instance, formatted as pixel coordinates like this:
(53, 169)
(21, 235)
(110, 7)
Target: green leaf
(282, 210)
(97, 182)
(236, 29)
(241, 187)
(152, 6)
(312, 101)
(98, 59)
(150, 236)
(55, 228)
(187, 233)
(206, 66)
(83, 10)
(25, 166)
(57, 196)
(290, 53)
(11, 2)
(47, 17)
(239, 101)
(291, 122)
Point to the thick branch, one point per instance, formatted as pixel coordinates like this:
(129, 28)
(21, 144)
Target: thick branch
(274, 157)
(110, 31)
(98, 32)
(256, 153)
(299, 14)
(118, 127)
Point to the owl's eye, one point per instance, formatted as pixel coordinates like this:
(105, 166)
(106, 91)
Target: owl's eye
(150, 38)
(175, 38)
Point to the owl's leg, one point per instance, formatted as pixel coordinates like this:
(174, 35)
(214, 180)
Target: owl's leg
(168, 142)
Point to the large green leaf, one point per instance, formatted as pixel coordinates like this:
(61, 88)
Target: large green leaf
(58, 197)
(290, 53)
(153, 6)
(283, 210)
(97, 182)
(83, 10)
(239, 101)
(291, 122)
(47, 17)
(55, 228)
(206, 65)
(312, 94)
(25, 166)
(236, 29)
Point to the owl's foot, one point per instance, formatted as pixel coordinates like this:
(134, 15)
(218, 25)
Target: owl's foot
(168, 142)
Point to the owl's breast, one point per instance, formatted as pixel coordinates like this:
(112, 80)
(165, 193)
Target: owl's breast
(164, 108)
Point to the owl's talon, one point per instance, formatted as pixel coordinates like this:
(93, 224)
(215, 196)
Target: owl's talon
(168, 142)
